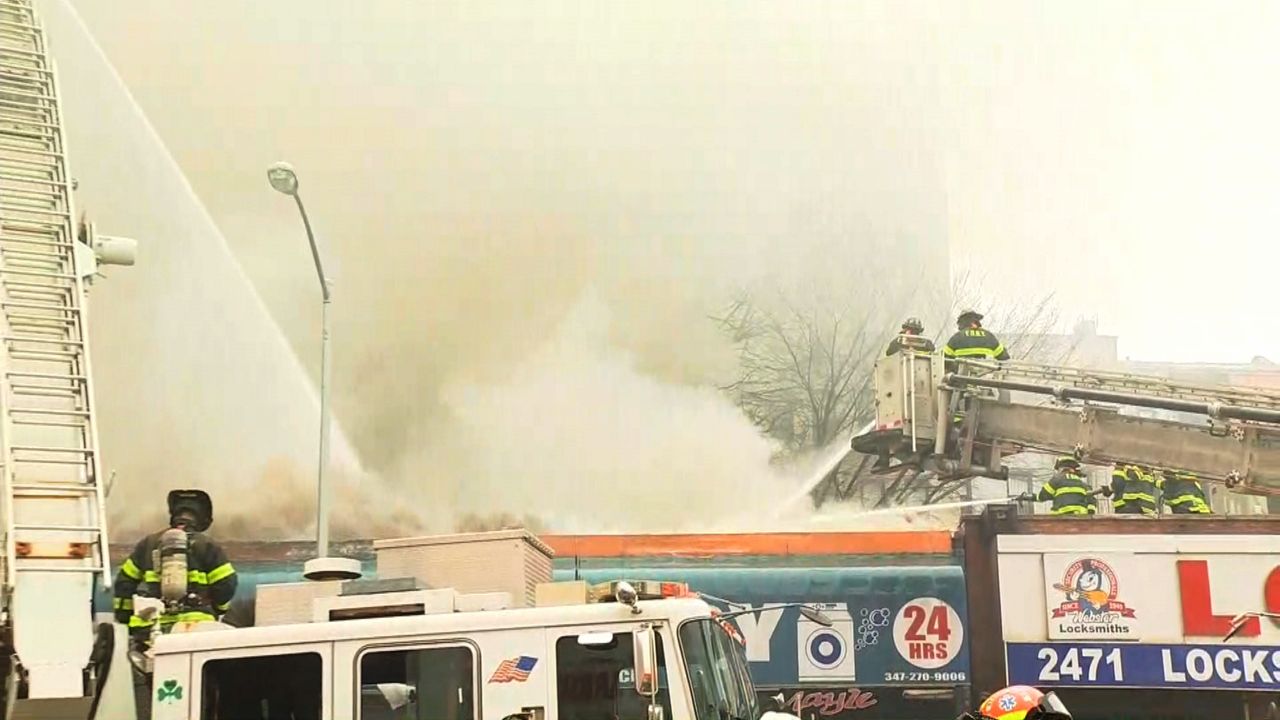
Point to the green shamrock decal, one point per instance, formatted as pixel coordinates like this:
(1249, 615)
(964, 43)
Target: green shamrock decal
(170, 691)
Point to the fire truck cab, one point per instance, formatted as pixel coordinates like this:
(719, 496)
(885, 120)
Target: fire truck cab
(621, 656)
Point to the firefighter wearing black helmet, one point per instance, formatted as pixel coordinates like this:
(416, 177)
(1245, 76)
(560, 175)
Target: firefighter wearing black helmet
(972, 341)
(910, 338)
(211, 580)
(1068, 491)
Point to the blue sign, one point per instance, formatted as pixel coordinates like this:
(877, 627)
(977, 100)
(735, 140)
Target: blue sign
(1221, 667)
(891, 626)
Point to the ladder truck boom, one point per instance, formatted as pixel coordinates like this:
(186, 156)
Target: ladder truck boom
(52, 503)
(962, 418)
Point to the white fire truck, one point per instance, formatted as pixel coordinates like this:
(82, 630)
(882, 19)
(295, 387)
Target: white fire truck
(633, 651)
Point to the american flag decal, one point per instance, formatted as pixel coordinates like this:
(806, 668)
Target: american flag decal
(514, 670)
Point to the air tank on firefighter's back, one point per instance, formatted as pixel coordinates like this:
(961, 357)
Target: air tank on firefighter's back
(172, 561)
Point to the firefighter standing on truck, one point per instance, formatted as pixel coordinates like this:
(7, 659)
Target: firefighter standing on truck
(1068, 491)
(211, 580)
(1134, 490)
(1183, 493)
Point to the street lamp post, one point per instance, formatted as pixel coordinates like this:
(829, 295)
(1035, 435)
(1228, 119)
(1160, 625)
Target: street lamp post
(285, 180)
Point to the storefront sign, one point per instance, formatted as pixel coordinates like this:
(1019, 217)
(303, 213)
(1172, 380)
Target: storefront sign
(920, 642)
(1154, 589)
(1222, 667)
(881, 633)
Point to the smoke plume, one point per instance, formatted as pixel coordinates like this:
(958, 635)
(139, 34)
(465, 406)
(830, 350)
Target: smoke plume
(528, 221)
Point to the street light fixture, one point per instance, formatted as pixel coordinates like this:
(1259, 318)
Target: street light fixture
(285, 180)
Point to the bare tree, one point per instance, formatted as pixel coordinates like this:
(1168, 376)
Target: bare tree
(806, 373)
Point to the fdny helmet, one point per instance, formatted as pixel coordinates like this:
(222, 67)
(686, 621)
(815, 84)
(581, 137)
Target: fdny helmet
(1022, 702)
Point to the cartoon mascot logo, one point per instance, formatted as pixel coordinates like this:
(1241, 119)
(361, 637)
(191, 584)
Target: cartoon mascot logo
(1091, 588)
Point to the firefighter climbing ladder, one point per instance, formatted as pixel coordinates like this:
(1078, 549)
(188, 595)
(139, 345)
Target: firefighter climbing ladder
(55, 542)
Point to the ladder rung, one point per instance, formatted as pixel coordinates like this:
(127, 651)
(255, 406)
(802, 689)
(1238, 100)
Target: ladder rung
(28, 273)
(31, 53)
(40, 181)
(29, 226)
(27, 132)
(33, 211)
(19, 566)
(24, 69)
(36, 199)
(47, 423)
(36, 489)
(73, 343)
(45, 112)
(31, 329)
(43, 243)
(51, 360)
(35, 263)
(46, 376)
(22, 79)
(49, 411)
(55, 528)
(29, 195)
(24, 26)
(18, 113)
(19, 150)
(27, 390)
(54, 327)
(44, 321)
(55, 296)
(35, 287)
(38, 306)
(50, 449)
(44, 355)
(23, 54)
(24, 93)
(48, 461)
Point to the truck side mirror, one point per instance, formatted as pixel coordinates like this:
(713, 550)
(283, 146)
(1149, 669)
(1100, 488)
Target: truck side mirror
(646, 661)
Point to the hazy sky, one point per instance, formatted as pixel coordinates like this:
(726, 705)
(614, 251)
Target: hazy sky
(1122, 154)
(534, 206)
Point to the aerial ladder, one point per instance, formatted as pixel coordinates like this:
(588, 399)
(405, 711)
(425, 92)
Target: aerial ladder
(52, 499)
(963, 418)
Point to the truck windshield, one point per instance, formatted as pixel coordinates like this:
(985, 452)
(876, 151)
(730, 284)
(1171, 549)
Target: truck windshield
(717, 670)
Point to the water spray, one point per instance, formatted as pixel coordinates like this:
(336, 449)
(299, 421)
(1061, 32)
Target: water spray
(913, 509)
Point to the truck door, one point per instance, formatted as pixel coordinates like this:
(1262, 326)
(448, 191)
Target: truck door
(594, 675)
(263, 683)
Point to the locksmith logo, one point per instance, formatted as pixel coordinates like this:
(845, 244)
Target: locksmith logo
(1091, 603)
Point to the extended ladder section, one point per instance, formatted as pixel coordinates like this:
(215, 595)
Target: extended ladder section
(962, 420)
(1219, 402)
(55, 542)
